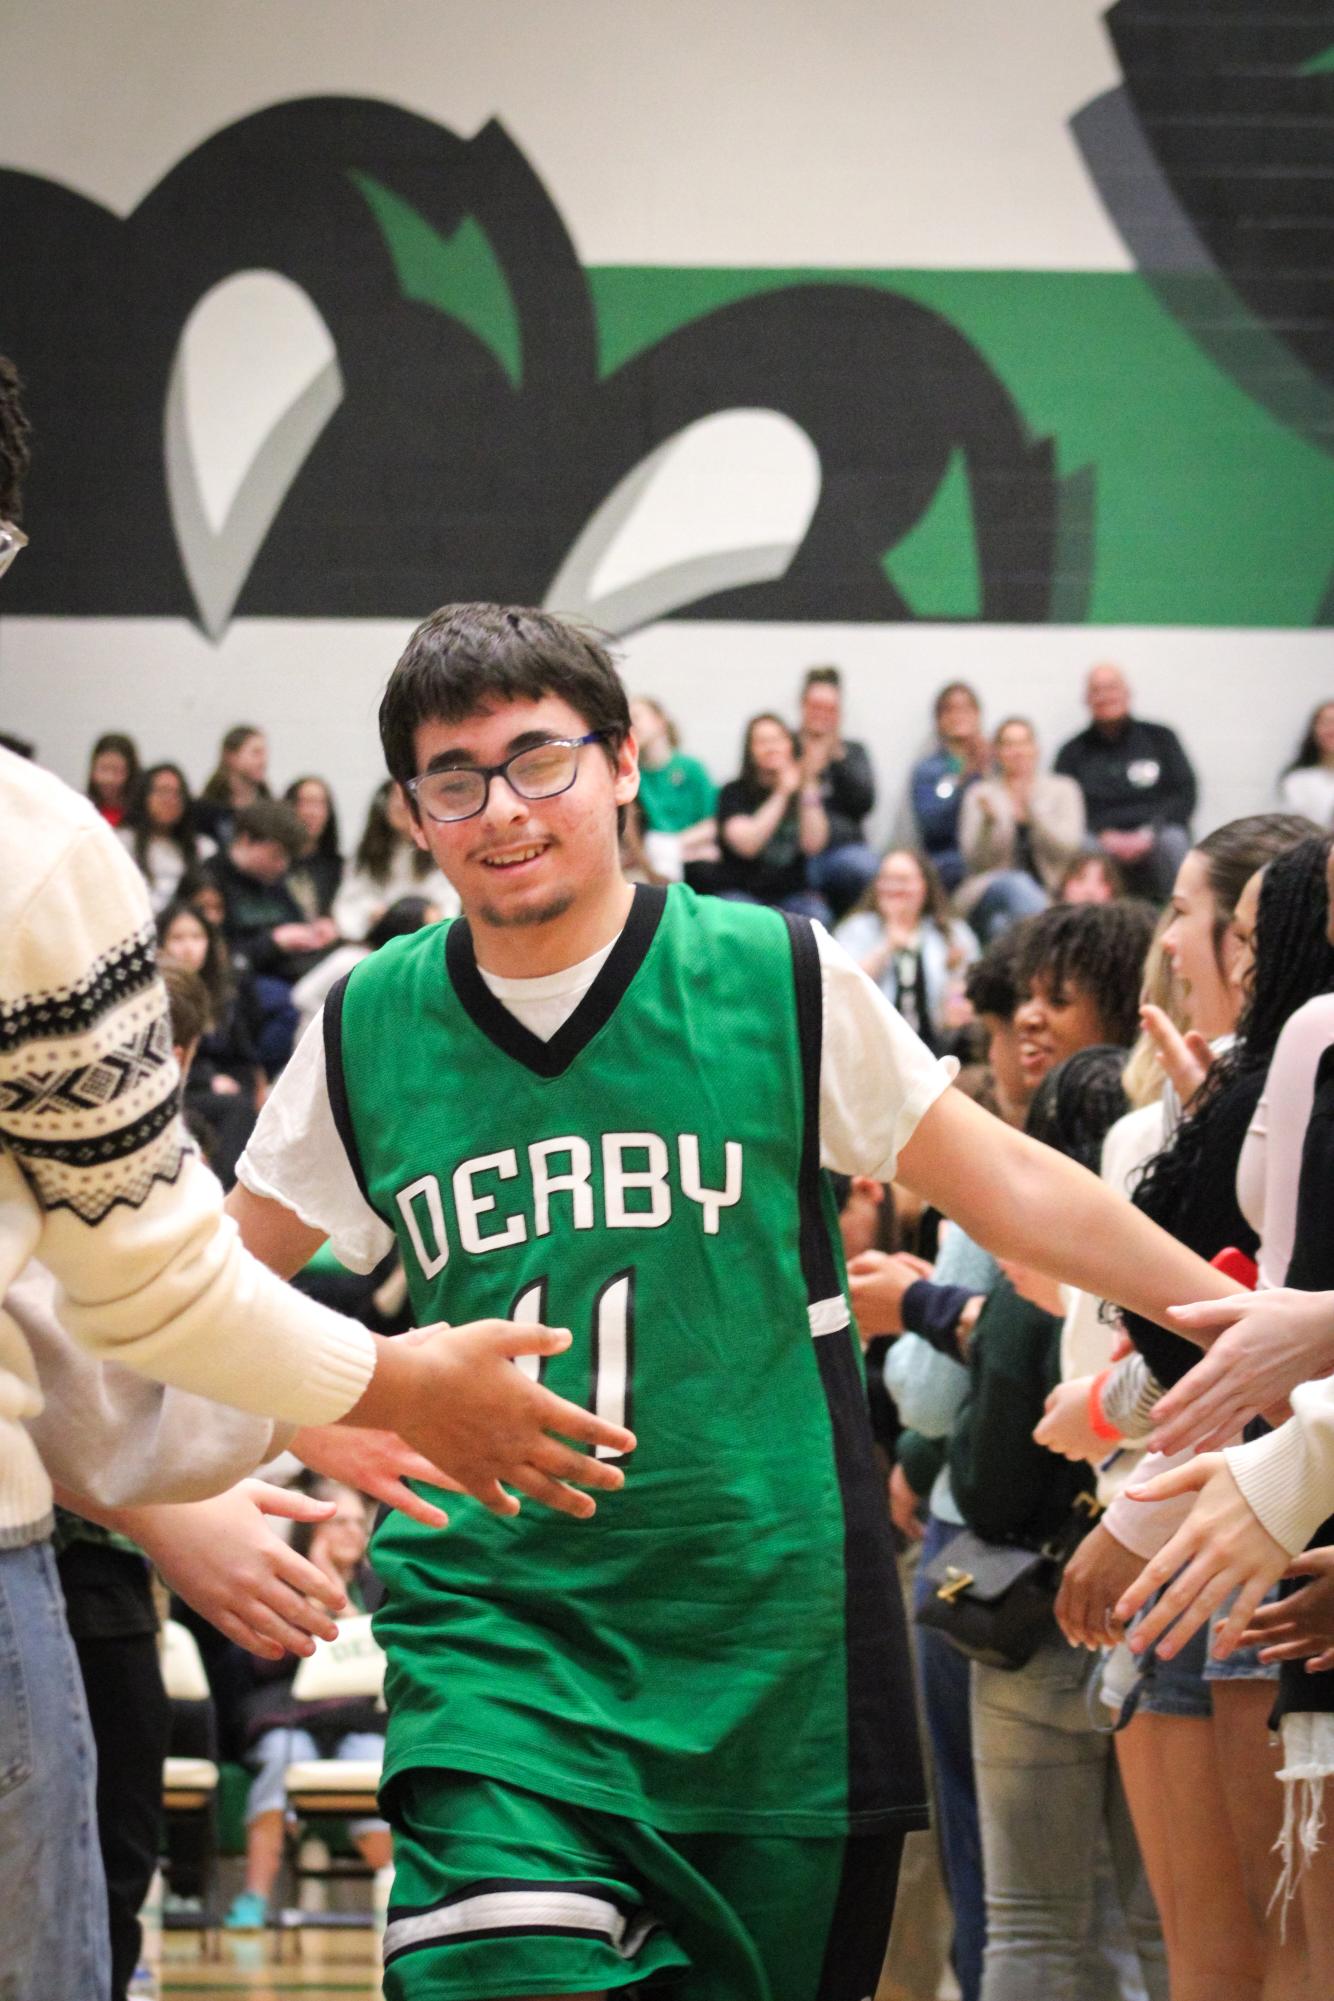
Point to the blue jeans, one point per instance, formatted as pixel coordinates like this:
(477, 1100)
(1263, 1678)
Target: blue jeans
(291, 1745)
(841, 874)
(945, 1678)
(54, 1938)
(1010, 895)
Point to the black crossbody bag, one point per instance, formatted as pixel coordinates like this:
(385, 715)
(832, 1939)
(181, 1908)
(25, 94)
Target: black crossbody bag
(994, 1600)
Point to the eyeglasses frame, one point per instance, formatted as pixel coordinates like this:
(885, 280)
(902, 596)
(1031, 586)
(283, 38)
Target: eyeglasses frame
(487, 772)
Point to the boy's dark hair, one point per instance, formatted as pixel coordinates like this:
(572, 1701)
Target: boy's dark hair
(990, 983)
(1099, 947)
(1077, 1104)
(465, 657)
(15, 434)
(822, 677)
(270, 820)
(188, 1002)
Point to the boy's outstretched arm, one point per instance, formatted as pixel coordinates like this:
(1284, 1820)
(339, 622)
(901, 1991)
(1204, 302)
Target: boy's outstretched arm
(452, 1394)
(1022, 1200)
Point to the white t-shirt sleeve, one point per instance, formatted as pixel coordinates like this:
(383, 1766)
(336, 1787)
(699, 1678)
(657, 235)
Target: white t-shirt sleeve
(876, 1077)
(296, 1156)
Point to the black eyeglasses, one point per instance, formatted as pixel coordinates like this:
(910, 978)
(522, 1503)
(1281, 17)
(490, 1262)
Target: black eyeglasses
(12, 539)
(537, 773)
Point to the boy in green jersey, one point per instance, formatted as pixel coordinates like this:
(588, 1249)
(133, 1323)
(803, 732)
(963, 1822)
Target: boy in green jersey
(674, 1746)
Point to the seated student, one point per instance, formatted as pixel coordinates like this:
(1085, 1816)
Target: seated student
(1019, 831)
(112, 772)
(770, 822)
(262, 920)
(676, 796)
(845, 865)
(159, 831)
(239, 778)
(939, 781)
(387, 865)
(903, 937)
(224, 1088)
(319, 869)
(284, 1731)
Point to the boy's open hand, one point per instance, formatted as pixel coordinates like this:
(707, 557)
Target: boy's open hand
(1267, 1343)
(455, 1395)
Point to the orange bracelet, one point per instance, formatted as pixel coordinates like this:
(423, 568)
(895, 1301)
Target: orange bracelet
(1098, 1424)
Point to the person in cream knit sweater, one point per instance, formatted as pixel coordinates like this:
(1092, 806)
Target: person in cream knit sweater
(100, 1183)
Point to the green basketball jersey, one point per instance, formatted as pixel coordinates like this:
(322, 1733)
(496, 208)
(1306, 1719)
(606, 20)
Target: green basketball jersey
(723, 1647)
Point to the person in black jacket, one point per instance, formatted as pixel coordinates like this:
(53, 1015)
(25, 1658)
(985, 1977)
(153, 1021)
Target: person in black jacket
(1138, 785)
(842, 770)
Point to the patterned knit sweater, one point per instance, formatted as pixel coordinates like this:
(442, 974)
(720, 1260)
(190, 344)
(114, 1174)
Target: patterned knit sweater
(98, 1178)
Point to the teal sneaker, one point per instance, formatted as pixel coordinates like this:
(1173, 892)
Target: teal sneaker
(249, 1912)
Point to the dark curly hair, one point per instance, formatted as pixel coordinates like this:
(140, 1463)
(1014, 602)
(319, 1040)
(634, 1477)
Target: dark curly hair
(1099, 947)
(1294, 962)
(990, 982)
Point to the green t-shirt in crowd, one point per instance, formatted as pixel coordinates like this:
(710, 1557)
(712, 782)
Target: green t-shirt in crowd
(676, 795)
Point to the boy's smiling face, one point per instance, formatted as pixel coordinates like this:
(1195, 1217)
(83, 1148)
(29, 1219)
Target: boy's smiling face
(526, 861)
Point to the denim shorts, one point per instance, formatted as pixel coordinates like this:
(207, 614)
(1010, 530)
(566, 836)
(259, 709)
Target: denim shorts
(1244, 1663)
(1143, 1684)
(1175, 1687)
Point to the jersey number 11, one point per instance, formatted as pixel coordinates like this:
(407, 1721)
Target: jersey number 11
(612, 1342)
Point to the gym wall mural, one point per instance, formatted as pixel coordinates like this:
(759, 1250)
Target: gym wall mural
(451, 405)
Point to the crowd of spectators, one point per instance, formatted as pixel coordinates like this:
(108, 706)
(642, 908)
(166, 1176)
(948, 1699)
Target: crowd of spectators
(1012, 923)
(259, 891)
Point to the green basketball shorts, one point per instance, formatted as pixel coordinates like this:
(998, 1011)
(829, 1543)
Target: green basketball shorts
(500, 1892)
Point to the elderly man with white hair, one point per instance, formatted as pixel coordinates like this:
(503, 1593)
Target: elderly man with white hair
(1138, 785)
